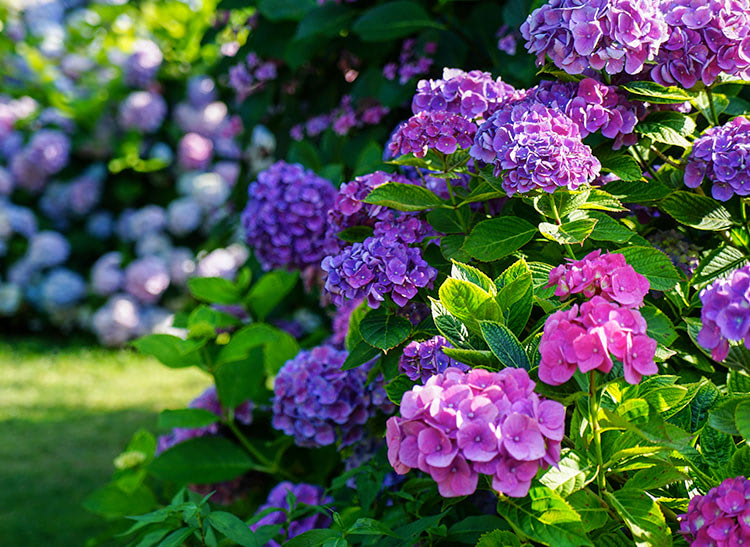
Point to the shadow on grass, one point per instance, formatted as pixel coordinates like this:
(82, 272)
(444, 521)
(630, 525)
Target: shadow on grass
(48, 467)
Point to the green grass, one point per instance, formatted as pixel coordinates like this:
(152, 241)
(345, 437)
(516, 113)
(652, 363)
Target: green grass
(66, 411)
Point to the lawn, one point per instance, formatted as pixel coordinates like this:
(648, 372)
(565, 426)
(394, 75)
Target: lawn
(66, 410)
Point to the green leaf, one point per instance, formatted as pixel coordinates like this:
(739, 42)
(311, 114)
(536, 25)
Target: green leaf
(449, 326)
(738, 382)
(602, 201)
(313, 538)
(392, 20)
(451, 247)
(327, 20)
(544, 516)
(576, 231)
(355, 234)
(637, 191)
(170, 350)
(112, 502)
(722, 417)
(384, 331)
(233, 528)
(742, 419)
(202, 460)
(186, 417)
(497, 538)
(585, 503)
(448, 221)
(269, 291)
(654, 264)
(464, 272)
(660, 328)
(662, 133)
(361, 354)
(515, 295)
(468, 302)
(683, 124)
(700, 212)
(539, 279)
(215, 290)
(571, 474)
(474, 358)
(177, 538)
(716, 263)
(396, 388)
(609, 229)
(642, 515)
(283, 10)
(716, 447)
(619, 163)
(739, 465)
(469, 529)
(403, 197)
(561, 203)
(369, 527)
(657, 94)
(504, 345)
(278, 346)
(655, 476)
(498, 237)
(239, 381)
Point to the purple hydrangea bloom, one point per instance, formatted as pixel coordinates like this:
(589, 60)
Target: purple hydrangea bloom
(682, 252)
(721, 517)
(725, 314)
(181, 265)
(62, 288)
(143, 64)
(194, 151)
(437, 130)
(706, 38)
(107, 276)
(117, 321)
(184, 216)
(720, 155)
(100, 224)
(143, 111)
(48, 249)
(285, 217)
(26, 173)
(472, 94)
(222, 262)
(422, 360)
(318, 403)
(381, 265)
(535, 147)
(302, 493)
(340, 323)
(6, 182)
(201, 90)
(49, 150)
(609, 35)
(460, 424)
(146, 279)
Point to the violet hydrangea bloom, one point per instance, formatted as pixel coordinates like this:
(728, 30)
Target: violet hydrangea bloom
(143, 111)
(683, 253)
(422, 360)
(460, 424)
(721, 517)
(583, 339)
(194, 151)
(285, 217)
(607, 275)
(437, 130)
(47, 249)
(143, 64)
(107, 276)
(725, 314)
(302, 493)
(706, 38)
(609, 35)
(147, 278)
(317, 403)
(720, 155)
(49, 150)
(340, 322)
(473, 94)
(535, 147)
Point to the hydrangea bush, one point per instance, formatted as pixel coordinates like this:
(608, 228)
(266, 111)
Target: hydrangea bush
(536, 295)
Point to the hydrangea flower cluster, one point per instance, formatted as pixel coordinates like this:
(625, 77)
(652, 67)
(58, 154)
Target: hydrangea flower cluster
(340, 322)
(473, 94)
(706, 38)
(381, 265)
(720, 155)
(409, 63)
(303, 493)
(46, 153)
(725, 314)
(437, 130)
(609, 35)
(607, 275)
(460, 424)
(507, 39)
(208, 400)
(251, 76)
(341, 119)
(593, 107)
(142, 65)
(683, 253)
(721, 517)
(285, 217)
(535, 147)
(143, 111)
(420, 361)
(317, 403)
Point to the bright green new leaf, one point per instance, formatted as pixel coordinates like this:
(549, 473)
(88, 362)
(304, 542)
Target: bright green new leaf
(498, 237)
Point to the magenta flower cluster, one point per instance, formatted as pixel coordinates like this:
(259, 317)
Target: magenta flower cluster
(460, 424)
(317, 403)
(721, 517)
(706, 38)
(208, 400)
(472, 94)
(307, 494)
(722, 154)
(725, 314)
(535, 147)
(436, 130)
(605, 326)
(593, 106)
(381, 265)
(609, 35)
(420, 361)
(285, 217)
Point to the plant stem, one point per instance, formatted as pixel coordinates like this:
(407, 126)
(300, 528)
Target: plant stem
(267, 466)
(594, 416)
(643, 162)
(567, 246)
(715, 120)
(670, 161)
